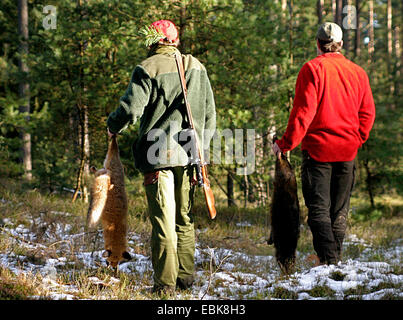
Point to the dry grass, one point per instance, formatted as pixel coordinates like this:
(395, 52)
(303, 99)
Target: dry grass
(43, 215)
(23, 286)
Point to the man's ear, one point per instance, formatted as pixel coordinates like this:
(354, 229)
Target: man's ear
(107, 253)
(126, 255)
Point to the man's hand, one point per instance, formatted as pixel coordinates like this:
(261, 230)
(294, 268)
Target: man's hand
(276, 150)
(110, 134)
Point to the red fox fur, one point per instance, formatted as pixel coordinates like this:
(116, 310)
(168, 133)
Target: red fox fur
(109, 204)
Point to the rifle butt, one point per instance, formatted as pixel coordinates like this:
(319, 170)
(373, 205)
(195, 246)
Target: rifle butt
(208, 194)
(210, 201)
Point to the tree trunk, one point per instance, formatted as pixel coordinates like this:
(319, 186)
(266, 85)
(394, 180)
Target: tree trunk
(389, 31)
(401, 41)
(23, 88)
(268, 143)
(230, 189)
(320, 10)
(346, 28)
(182, 27)
(79, 179)
(338, 19)
(399, 63)
(291, 31)
(390, 58)
(399, 51)
(84, 170)
(338, 14)
(283, 10)
(247, 186)
(357, 46)
(371, 31)
(370, 55)
(260, 169)
(246, 189)
(334, 9)
(86, 148)
(290, 92)
(369, 183)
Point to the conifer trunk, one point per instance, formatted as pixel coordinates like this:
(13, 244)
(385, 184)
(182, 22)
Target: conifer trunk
(357, 46)
(338, 13)
(320, 10)
(371, 31)
(346, 31)
(23, 89)
(390, 59)
(389, 29)
(182, 27)
(368, 180)
(230, 189)
(399, 63)
(84, 170)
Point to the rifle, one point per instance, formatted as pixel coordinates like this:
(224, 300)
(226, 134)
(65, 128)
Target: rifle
(196, 158)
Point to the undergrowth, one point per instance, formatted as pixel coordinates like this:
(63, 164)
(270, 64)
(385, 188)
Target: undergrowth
(239, 229)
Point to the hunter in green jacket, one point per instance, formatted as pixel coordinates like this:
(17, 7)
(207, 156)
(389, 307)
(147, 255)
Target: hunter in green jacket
(154, 96)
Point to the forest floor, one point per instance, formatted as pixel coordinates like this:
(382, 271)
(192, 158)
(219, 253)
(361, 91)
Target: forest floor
(46, 253)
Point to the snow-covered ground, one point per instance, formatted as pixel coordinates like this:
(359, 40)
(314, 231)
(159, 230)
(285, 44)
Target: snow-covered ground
(220, 273)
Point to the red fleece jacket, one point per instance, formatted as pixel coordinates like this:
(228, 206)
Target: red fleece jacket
(333, 110)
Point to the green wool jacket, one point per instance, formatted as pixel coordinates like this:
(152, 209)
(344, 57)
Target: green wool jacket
(154, 96)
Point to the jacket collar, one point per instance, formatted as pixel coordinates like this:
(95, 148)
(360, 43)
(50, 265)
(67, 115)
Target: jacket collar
(162, 49)
(332, 54)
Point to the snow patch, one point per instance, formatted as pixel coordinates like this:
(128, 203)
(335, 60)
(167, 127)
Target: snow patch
(221, 273)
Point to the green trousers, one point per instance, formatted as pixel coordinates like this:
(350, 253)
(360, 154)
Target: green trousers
(170, 198)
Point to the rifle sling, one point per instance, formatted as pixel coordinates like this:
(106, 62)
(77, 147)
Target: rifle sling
(208, 193)
(180, 66)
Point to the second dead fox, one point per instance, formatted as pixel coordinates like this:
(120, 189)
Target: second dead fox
(285, 215)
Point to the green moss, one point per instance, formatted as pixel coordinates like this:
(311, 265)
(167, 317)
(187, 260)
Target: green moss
(283, 293)
(337, 276)
(321, 291)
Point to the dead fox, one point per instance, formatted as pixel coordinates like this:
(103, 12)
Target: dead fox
(109, 203)
(285, 215)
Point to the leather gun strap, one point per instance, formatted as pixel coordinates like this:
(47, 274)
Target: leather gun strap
(179, 65)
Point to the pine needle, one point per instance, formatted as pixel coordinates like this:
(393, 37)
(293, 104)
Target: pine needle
(152, 35)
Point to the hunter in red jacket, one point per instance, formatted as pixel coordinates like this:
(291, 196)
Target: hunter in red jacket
(332, 116)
